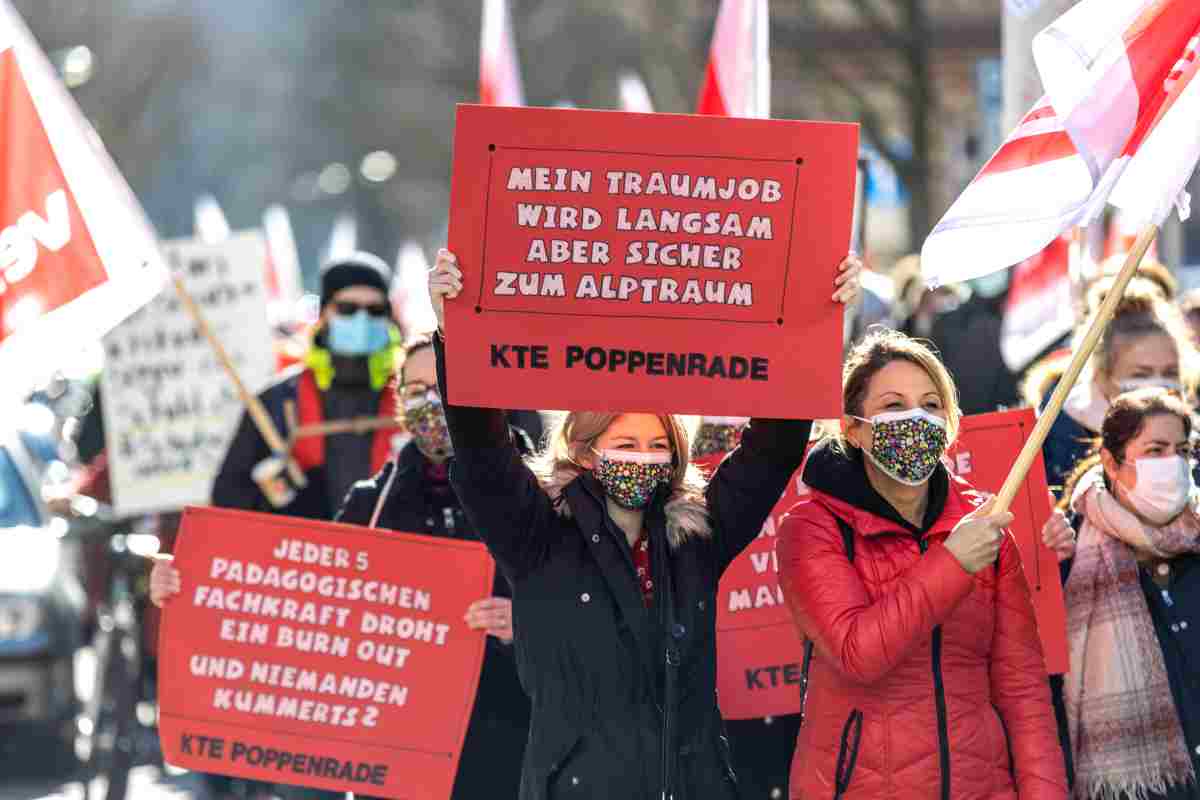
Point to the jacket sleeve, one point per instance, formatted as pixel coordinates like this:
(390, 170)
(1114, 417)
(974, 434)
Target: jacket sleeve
(499, 494)
(861, 639)
(1020, 689)
(750, 481)
(234, 486)
(359, 504)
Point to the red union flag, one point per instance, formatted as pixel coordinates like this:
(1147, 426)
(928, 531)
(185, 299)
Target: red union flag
(1039, 310)
(76, 254)
(499, 69)
(1118, 124)
(738, 80)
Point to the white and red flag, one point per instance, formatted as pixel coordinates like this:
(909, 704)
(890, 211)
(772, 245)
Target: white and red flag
(1120, 123)
(499, 68)
(77, 254)
(1039, 310)
(284, 284)
(738, 80)
(633, 93)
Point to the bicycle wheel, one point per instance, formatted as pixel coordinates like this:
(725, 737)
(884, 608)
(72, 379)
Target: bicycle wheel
(111, 716)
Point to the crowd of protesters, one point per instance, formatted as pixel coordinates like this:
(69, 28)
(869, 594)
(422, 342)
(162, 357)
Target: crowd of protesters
(927, 677)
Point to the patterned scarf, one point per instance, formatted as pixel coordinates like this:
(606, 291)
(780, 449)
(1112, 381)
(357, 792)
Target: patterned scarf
(1125, 731)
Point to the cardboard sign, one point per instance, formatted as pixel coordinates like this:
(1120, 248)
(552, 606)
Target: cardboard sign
(169, 408)
(323, 655)
(648, 262)
(759, 651)
(987, 446)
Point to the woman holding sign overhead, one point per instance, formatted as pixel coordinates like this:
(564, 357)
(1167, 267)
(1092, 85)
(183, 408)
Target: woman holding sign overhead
(923, 668)
(614, 545)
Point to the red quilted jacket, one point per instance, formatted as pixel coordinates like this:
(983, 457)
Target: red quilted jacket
(924, 678)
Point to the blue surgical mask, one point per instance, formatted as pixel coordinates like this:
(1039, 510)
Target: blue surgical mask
(357, 335)
(991, 285)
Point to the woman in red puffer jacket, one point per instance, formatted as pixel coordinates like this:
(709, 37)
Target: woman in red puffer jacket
(926, 677)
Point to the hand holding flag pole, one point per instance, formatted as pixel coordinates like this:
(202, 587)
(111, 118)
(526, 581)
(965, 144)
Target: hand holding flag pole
(1033, 445)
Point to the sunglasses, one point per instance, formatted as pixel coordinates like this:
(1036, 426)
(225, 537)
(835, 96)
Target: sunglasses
(346, 309)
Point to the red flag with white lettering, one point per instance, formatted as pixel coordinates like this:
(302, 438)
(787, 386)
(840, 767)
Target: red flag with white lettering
(76, 253)
(499, 70)
(738, 80)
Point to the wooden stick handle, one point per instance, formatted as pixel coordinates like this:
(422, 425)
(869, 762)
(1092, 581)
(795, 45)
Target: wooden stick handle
(1104, 314)
(258, 413)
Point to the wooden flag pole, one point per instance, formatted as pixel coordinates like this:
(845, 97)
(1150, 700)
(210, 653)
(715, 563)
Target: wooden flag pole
(258, 413)
(1079, 358)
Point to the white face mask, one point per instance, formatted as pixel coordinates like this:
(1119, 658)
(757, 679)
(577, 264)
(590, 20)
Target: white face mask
(1163, 488)
(1133, 384)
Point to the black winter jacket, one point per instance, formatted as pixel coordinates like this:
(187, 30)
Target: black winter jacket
(234, 486)
(491, 759)
(609, 680)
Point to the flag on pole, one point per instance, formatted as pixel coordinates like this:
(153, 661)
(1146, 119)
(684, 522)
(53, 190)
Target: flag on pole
(738, 80)
(208, 220)
(343, 237)
(499, 68)
(1122, 231)
(633, 93)
(283, 282)
(1120, 122)
(77, 254)
(410, 293)
(1039, 310)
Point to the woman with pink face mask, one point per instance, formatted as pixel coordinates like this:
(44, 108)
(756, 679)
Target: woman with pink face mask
(1132, 695)
(614, 543)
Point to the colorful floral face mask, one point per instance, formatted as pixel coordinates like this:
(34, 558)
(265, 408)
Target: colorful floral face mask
(630, 478)
(426, 421)
(907, 444)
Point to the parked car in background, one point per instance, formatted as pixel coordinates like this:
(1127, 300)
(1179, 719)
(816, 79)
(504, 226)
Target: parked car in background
(41, 598)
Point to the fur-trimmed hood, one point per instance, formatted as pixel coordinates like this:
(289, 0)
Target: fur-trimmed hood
(685, 510)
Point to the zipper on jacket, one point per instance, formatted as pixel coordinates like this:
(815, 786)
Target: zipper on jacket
(939, 691)
(847, 754)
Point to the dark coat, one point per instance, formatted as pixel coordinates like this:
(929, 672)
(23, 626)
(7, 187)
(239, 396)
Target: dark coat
(609, 680)
(234, 486)
(1177, 624)
(968, 339)
(491, 759)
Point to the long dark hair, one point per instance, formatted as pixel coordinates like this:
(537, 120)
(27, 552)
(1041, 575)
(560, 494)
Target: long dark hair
(1123, 423)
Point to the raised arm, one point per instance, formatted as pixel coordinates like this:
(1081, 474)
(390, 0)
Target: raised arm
(498, 492)
(863, 640)
(1020, 690)
(750, 481)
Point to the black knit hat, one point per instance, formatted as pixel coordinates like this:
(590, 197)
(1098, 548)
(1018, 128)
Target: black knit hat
(355, 269)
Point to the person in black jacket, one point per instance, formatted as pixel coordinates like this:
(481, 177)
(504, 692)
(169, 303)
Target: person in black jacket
(345, 376)
(614, 548)
(412, 494)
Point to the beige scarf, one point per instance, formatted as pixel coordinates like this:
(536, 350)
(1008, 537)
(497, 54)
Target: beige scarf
(1125, 732)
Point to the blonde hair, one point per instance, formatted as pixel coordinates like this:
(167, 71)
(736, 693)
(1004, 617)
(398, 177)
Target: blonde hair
(880, 348)
(1142, 311)
(575, 434)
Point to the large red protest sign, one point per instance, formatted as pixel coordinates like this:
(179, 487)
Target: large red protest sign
(759, 651)
(321, 655)
(648, 262)
(987, 446)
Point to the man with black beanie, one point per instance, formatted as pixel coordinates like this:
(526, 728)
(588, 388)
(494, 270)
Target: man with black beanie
(345, 376)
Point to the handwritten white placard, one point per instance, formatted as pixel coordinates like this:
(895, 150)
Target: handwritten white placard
(169, 407)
